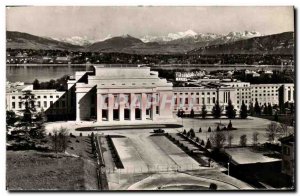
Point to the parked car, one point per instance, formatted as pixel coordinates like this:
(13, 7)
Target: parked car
(159, 130)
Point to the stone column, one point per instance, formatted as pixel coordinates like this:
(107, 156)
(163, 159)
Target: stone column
(132, 107)
(110, 107)
(100, 101)
(78, 97)
(121, 106)
(153, 106)
(144, 105)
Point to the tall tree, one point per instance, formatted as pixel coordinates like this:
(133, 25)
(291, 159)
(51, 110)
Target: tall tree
(230, 111)
(243, 111)
(270, 109)
(251, 109)
(192, 115)
(216, 111)
(257, 108)
(265, 109)
(218, 139)
(243, 140)
(255, 138)
(203, 112)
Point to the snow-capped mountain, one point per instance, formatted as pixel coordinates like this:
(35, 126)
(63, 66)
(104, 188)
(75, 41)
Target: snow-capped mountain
(191, 36)
(81, 41)
(169, 37)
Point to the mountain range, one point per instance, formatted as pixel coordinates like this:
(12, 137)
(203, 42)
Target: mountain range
(174, 43)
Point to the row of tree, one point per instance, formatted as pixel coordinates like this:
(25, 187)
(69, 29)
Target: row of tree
(217, 111)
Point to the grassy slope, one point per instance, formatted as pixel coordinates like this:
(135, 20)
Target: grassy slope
(31, 170)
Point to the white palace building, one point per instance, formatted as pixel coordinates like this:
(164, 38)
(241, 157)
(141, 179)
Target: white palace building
(133, 94)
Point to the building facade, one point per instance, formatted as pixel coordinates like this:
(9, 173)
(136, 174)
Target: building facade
(124, 93)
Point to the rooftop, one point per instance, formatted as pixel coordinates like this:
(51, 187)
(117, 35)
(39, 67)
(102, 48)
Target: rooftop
(248, 156)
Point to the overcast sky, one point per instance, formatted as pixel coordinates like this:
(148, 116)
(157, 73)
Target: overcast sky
(99, 22)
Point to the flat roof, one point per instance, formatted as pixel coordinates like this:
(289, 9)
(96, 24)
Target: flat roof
(118, 65)
(247, 155)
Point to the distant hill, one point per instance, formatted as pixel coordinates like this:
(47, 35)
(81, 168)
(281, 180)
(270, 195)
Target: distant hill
(18, 40)
(282, 43)
(187, 42)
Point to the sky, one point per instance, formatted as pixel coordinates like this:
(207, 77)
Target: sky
(99, 22)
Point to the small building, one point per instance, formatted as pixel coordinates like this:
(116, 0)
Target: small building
(288, 155)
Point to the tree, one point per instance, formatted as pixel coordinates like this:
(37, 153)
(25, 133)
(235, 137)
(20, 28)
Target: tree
(200, 130)
(251, 109)
(230, 111)
(192, 133)
(36, 84)
(270, 109)
(273, 132)
(265, 109)
(276, 117)
(202, 142)
(192, 115)
(197, 139)
(11, 119)
(60, 140)
(229, 127)
(218, 139)
(243, 111)
(184, 132)
(208, 144)
(209, 129)
(255, 138)
(218, 128)
(216, 111)
(257, 108)
(230, 138)
(203, 112)
(38, 131)
(25, 124)
(243, 140)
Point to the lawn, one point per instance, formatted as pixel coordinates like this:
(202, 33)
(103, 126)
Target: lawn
(33, 170)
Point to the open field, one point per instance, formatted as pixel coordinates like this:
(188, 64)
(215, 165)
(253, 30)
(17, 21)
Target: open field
(73, 170)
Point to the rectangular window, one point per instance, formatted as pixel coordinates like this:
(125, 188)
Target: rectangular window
(198, 101)
(45, 96)
(38, 104)
(203, 100)
(208, 100)
(38, 97)
(51, 103)
(45, 104)
(214, 100)
(20, 104)
(186, 100)
(51, 96)
(157, 110)
(57, 96)
(13, 97)
(13, 105)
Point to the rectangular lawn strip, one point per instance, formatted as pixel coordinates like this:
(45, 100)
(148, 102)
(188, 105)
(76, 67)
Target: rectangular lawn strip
(107, 156)
(31, 170)
(129, 155)
(152, 154)
(180, 157)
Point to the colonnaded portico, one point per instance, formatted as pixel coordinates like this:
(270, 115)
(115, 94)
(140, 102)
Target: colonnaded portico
(123, 93)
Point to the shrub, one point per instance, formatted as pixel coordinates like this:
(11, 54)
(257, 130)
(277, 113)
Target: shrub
(208, 144)
(209, 129)
(202, 143)
(77, 141)
(218, 128)
(184, 132)
(80, 134)
(197, 139)
(200, 130)
(192, 133)
(213, 186)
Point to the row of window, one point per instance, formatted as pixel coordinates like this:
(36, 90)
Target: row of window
(58, 104)
(208, 93)
(209, 100)
(38, 97)
(264, 87)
